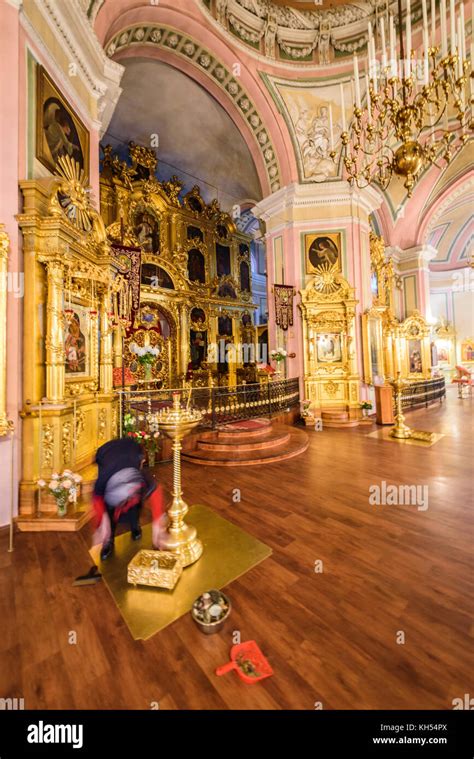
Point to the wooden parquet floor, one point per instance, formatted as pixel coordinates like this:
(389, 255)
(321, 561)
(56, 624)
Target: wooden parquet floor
(331, 636)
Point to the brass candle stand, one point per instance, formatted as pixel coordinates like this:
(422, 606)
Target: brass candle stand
(179, 538)
(401, 431)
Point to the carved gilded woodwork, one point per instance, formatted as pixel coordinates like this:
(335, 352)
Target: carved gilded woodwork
(414, 347)
(328, 309)
(175, 226)
(5, 424)
(69, 274)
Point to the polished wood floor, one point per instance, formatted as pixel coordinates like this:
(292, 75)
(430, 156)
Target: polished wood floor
(331, 637)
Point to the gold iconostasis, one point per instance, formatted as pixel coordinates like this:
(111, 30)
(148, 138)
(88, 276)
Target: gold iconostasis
(152, 274)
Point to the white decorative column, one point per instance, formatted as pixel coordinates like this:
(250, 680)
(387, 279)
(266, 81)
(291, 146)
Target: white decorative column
(413, 266)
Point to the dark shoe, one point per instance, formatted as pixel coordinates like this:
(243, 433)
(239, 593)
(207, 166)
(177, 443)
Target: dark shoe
(137, 533)
(107, 550)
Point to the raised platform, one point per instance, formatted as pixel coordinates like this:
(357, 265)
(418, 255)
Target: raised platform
(247, 443)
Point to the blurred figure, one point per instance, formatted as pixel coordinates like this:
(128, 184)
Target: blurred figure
(119, 492)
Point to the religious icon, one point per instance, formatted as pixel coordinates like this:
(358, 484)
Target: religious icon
(244, 276)
(196, 266)
(59, 131)
(322, 250)
(414, 357)
(226, 290)
(246, 319)
(147, 230)
(222, 260)
(329, 348)
(75, 345)
(224, 326)
(467, 350)
(198, 340)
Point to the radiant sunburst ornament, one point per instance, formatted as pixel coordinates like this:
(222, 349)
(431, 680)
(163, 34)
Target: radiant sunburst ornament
(325, 280)
(73, 193)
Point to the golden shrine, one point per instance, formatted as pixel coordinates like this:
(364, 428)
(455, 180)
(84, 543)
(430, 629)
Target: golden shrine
(149, 274)
(328, 306)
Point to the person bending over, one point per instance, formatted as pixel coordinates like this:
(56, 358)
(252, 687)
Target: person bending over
(121, 487)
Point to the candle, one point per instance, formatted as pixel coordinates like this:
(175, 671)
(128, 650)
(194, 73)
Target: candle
(343, 108)
(408, 41)
(426, 62)
(452, 19)
(383, 43)
(331, 130)
(425, 15)
(459, 48)
(462, 41)
(356, 81)
(433, 23)
(367, 90)
(444, 33)
(374, 66)
(391, 29)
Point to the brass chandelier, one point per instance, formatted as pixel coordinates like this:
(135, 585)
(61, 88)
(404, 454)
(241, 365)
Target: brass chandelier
(417, 108)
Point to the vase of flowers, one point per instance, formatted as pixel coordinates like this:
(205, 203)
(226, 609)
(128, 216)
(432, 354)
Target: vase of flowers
(64, 488)
(149, 441)
(146, 356)
(278, 356)
(366, 406)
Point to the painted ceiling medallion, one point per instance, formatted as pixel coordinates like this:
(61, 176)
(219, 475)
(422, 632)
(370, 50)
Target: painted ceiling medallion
(182, 45)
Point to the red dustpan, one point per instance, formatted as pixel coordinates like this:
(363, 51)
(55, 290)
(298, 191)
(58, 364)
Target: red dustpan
(248, 661)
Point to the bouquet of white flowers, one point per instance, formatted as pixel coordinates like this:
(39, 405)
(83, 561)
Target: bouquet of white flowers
(146, 354)
(278, 355)
(64, 487)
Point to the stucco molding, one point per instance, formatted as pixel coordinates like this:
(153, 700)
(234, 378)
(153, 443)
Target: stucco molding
(77, 39)
(333, 194)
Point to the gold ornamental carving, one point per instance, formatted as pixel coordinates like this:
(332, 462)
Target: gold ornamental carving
(5, 424)
(331, 388)
(47, 445)
(66, 442)
(102, 424)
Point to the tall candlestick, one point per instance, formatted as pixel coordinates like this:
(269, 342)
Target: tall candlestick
(356, 81)
(452, 19)
(343, 108)
(425, 14)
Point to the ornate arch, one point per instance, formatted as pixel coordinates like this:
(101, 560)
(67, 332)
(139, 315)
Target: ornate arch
(165, 38)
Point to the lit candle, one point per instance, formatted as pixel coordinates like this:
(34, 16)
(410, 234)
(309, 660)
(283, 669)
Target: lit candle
(452, 18)
(331, 130)
(356, 81)
(374, 66)
(444, 31)
(343, 108)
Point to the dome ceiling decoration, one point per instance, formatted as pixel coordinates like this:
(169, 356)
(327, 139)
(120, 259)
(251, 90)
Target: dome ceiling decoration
(215, 156)
(142, 35)
(299, 31)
